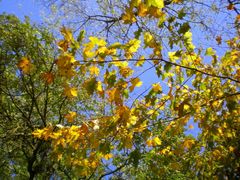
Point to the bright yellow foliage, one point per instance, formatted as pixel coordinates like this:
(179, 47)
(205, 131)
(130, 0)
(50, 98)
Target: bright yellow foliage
(25, 65)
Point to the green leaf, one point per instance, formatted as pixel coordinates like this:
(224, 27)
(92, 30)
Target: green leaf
(138, 33)
(167, 67)
(184, 28)
(210, 52)
(81, 36)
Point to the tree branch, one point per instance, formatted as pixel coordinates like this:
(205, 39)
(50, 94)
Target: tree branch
(167, 62)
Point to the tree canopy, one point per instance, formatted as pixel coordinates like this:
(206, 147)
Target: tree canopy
(116, 95)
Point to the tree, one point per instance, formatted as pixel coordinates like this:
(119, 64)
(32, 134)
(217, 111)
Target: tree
(141, 133)
(28, 102)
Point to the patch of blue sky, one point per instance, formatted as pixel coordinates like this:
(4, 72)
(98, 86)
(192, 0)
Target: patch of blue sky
(22, 8)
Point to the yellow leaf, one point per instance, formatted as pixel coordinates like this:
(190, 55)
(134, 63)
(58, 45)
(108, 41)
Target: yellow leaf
(63, 45)
(231, 149)
(149, 143)
(38, 133)
(128, 17)
(142, 10)
(108, 156)
(148, 40)
(120, 63)
(70, 92)
(157, 141)
(67, 33)
(188, 143)
(115, 96)
(43, 133)
(172, 56)
(155, 3)
(140, 62)
(71, 116)
(133, 45)
(125, 71)
(165, 150)
(135, 3)
(156, 12)
(177, 1)
(25, 65)
(216, 154)
(135, 83)
(97, 41)
(154, 142)
(94, 70)
(99, 86)
(132, 120)
(156, 88)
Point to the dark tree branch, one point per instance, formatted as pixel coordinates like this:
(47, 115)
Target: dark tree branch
(167, 62)
(115, 170)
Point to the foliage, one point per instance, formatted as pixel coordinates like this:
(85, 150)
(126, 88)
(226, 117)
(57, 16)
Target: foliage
(141, 133)
(28, 102)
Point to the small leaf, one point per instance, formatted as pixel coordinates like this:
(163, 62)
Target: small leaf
(108, 156)
(135, 83)
(94, 70)
(48, 77)
(25, 65)
(156, 88)
(81, 36)
(70, 92)
(209, 52)
(70, 116)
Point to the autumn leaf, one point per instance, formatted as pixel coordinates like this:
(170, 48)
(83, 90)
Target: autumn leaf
(154, 142)
(133, 45)
(128, 17)
(43, 133)
(84, 128)
(155, 3)
(125, 71)
(135, 83)
(238, 17)
(156, 88)
(70, 92)
(90, 85)
(108, 156)
(67, 33)
(94, 70)
(63, 45)
(219, 40)
(140, 61)
(142, 10)
(188, 143)
(25, 65)
(70, 116)
(48, 77)
(230, 6)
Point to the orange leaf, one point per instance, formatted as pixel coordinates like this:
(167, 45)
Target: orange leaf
(230, 7)
(70, 116)
(48, 77)
(25, 65)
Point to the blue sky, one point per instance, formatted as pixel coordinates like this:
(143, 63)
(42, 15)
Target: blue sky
(22, 8)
